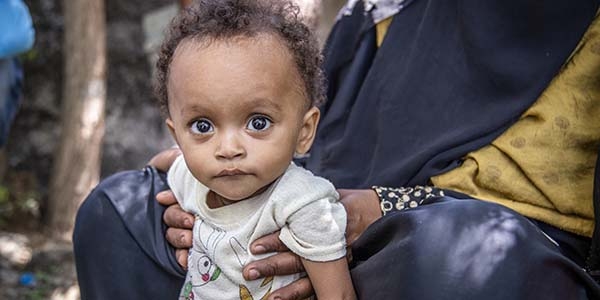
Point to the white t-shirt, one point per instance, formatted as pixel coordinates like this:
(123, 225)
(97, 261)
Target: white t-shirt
(303, 206)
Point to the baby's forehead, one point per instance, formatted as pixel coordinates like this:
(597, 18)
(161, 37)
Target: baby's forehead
(269, 46)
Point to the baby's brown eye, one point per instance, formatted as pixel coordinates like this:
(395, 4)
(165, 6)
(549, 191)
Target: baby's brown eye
(259, 123)
(202, 126)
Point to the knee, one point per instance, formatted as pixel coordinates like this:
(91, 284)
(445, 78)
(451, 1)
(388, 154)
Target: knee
(484, 225)
(477, 240)
(470, 245)
(97, 210)
(112, 203)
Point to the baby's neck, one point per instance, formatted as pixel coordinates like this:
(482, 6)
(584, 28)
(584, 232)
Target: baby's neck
(214, 200)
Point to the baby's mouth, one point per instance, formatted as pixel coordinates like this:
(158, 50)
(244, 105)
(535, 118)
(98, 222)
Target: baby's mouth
(231, 172)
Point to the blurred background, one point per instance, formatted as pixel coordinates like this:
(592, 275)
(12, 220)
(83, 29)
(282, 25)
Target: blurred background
(83, 110)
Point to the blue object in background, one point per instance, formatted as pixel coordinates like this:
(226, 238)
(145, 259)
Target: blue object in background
(27, 279)
(16, 29)
(16, 36)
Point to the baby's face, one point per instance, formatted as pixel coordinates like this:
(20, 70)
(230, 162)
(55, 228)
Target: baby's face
(238, 112)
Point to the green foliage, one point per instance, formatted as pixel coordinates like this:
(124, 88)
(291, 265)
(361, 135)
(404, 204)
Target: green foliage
(36, 294)
(19, 202)
(30, 55)
(3, 194)
(42, 288)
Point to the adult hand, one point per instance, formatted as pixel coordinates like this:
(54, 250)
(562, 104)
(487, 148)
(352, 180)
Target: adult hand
(284, 262)
(163, 160)
(179, 223)
(362, 207)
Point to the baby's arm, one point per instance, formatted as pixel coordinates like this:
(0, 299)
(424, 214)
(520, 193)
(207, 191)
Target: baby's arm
(330, 279)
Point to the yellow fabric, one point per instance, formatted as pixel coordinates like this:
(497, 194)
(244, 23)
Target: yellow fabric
(381, 29)
(543, 165)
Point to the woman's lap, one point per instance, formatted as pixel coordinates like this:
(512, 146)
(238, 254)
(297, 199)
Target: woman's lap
(463, 249)
(447, 249)
(120, 250)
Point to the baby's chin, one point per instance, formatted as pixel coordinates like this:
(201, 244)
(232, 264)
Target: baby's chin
(231, 195)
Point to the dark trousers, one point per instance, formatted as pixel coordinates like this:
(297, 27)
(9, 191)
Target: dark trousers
(446, 249)
(11, 80)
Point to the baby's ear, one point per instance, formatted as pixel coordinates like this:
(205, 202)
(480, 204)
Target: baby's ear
(171, 127)
(308, 130)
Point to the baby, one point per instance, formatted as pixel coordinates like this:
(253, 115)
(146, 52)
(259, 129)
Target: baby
(239, 81)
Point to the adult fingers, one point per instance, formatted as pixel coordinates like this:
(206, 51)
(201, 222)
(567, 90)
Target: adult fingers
(268, 243)
(179, 238)
(166, 198)
(284, 263)
(299, 289)
(176, 217)
(182, 257)
(164, 159)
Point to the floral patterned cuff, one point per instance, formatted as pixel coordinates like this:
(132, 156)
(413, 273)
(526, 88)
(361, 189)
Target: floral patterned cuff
(396, 199)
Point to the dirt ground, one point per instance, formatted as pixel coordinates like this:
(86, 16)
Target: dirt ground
(33, 267)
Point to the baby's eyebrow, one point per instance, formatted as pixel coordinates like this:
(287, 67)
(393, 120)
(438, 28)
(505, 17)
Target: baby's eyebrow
(261, 102)
(193, 109)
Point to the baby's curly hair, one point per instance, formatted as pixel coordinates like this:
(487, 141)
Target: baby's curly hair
(209, 20)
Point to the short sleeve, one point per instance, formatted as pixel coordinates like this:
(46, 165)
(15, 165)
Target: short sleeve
(312, 220)
(317, 230)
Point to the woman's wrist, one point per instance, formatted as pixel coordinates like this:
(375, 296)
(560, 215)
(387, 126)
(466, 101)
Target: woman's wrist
(402, 198)
(362, 209)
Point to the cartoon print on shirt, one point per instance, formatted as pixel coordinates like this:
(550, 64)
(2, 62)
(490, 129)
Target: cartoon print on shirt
(187, 293)
(202, 269)
(241, 254)
(207, 237)
(207, 270)
(245, 292)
